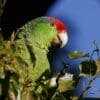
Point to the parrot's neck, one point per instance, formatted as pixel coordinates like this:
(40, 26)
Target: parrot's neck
(43, 39)
(38, 51)
(41, 46)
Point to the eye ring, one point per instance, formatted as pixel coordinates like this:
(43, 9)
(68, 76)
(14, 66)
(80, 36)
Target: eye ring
(52, 24)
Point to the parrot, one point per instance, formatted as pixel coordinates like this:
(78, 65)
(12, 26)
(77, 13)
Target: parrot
(27, 50)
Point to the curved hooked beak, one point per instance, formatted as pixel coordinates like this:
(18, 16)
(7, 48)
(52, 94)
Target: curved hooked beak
(61, 39)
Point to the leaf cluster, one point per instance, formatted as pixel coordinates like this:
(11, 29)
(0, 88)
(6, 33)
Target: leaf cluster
(89, 68)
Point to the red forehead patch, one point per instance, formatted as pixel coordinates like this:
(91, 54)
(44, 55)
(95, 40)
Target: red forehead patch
(59, 25)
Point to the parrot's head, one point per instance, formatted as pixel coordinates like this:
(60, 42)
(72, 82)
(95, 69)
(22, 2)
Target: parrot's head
(49, 30)
(61, 38)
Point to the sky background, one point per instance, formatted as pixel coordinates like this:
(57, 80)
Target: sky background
(82, 18)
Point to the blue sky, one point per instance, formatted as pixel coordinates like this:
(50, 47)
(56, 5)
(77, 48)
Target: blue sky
(82, 18)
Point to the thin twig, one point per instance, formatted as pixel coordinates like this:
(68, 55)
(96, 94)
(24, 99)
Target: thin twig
(89, 85)
(97, 48)
(2, 5)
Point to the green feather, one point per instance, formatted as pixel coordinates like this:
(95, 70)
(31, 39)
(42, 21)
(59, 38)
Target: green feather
(27, 55)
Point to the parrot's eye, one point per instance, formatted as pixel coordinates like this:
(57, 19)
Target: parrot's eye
(52, 24)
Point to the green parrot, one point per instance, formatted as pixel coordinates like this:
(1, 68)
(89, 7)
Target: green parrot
(26, 52)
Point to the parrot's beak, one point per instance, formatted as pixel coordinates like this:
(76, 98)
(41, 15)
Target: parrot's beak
(61, 39)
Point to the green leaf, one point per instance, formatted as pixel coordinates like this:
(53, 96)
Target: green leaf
(66, 82)
(77, 54)
(74, 98)
(1, 37)
(88, 68)
(98, 64)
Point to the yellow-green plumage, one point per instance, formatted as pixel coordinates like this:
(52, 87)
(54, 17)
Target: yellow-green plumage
(29, 51)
